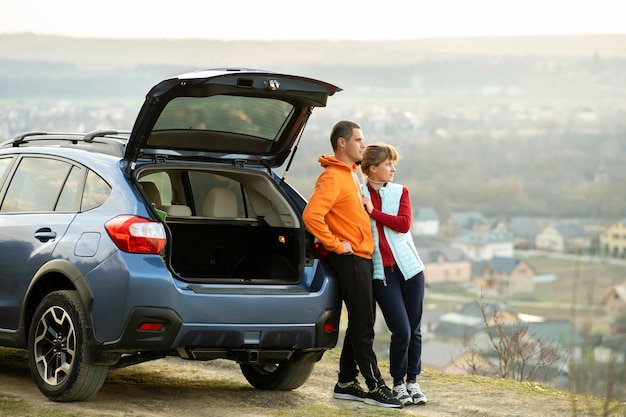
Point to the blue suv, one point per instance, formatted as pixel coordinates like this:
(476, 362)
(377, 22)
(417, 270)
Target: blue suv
(176, 238)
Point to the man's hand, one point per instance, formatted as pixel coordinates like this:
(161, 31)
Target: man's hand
(347, 248)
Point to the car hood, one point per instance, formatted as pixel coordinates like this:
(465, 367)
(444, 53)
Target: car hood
(245, 116)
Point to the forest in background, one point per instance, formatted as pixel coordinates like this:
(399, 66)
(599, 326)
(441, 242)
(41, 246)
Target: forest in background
(506, 126)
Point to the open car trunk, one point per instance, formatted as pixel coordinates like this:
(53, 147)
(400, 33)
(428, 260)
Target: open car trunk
(226, 225)
(214, 249)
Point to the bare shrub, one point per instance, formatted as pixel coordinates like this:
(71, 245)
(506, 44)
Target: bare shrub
(512, 351)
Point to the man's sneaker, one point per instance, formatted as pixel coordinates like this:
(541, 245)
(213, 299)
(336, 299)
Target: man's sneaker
(416, 393)
(349, 391)
(401, 394)
(382, 397)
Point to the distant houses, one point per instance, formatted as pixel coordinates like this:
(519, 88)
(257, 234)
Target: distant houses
(466, 250)
(613, 240)
(614, 302)
(524, 230)
(453, 244)
(501, 276)
(477, 235)
(480, 246)
(566, 237)
(447, 267)
(425, 222)
(458, 222)
(449, 263)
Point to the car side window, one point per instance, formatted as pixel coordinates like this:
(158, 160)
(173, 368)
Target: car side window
(4, 164)
(96, 192)
(36, 185)
(68, 199)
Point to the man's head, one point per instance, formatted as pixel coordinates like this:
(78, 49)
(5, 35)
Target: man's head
(346, 139)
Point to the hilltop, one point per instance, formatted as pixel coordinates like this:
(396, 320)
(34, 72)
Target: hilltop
(204, 389)
(121, 54)
(56, 67)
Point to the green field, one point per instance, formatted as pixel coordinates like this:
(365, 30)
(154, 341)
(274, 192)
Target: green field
(577, 282)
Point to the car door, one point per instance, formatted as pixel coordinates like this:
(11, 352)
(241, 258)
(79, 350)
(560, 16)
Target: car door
(39, 202)
(227, 115)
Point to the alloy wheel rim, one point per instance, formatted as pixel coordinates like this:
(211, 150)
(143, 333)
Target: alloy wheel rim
(55, 345)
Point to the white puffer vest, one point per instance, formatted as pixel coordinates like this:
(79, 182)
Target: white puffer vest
(401, 244)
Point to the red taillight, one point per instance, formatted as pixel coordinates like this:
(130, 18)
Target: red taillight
(329, 327)
(150, 327)
(136, 234)
(320, 250)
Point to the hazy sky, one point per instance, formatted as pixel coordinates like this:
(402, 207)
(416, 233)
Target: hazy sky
(314, 19)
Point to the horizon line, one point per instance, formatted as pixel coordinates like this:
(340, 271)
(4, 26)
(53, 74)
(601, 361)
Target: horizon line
(417, 38)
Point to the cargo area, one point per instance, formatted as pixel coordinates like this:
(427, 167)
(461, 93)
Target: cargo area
(228, 250)
(226, 226)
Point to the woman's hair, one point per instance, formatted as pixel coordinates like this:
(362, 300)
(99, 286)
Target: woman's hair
(376, 154)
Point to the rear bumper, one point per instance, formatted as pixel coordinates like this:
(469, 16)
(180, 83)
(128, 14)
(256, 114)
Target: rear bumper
(202, 318)
(252, 356)
(244, 343)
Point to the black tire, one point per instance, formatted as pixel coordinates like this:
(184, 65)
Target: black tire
(57, 351)
(283, 376)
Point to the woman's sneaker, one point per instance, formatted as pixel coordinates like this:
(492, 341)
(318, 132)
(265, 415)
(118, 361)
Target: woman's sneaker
(401, 394)
(416, 393)
(349, 391)
(382, 397)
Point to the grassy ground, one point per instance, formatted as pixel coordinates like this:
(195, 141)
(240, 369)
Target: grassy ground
(174, 387)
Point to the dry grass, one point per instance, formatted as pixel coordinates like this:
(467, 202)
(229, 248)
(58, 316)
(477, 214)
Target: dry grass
(175, 387)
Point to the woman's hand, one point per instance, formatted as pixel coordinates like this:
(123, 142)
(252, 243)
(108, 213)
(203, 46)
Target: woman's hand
(367, 204)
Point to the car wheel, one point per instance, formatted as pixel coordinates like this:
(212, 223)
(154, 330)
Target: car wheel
(58, 355)
(281, 376)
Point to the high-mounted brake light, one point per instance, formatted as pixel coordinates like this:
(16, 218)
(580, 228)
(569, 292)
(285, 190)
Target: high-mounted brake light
(136, 234)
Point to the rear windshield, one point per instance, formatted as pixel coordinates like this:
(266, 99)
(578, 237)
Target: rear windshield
(263, 118)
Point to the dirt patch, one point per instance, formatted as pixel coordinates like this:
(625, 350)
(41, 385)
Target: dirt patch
(173, 387)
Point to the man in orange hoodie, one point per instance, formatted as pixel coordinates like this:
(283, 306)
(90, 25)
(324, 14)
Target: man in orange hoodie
(336, 217)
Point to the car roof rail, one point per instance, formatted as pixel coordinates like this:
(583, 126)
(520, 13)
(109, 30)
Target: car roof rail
(105, 141)
(90, 136)
(28, 136)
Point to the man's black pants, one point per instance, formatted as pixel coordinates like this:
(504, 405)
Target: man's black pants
(355, 282)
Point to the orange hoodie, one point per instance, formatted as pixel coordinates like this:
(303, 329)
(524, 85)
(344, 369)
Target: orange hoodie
(335, 212)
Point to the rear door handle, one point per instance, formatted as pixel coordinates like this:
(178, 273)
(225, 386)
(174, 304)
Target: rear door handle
(45, 234)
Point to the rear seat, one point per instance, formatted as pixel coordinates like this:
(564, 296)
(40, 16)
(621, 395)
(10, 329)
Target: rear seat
(220, 202)
(176, 210)
(152, 192)
(154, 195)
